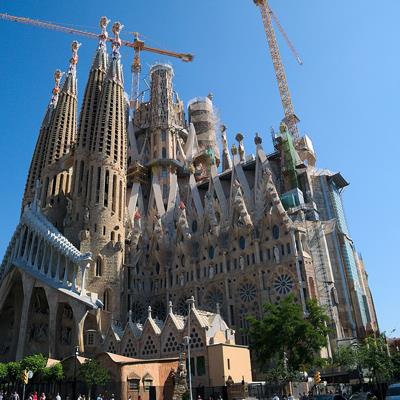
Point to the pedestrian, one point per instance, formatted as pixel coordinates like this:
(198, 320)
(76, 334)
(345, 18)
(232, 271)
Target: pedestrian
(129, 397)
(290, 397)
(276, 397)
(99, 397)
(42, 396)
(58, 397)
(79, 397)
(15, 396)
(199, 397)
(112, 397)
(34, 397)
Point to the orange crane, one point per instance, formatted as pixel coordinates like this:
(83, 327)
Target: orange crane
(290, 119)
(137, 45)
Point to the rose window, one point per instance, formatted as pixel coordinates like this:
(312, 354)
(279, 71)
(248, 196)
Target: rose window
(247, 292)
(283, 284)
(182, 306)
(213, 297)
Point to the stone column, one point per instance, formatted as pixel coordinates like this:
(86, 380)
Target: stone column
(74, 275)
(35, 263)
(50, 262)
(57, 276)
(301, 285)
(31, 249)
(224, 262)
(52, 299)
(257, 250)
(80, 313)
(24, 256)
(84, 267)
(27, 282)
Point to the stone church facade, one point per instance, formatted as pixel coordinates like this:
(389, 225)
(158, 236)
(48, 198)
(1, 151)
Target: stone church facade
(129, 209)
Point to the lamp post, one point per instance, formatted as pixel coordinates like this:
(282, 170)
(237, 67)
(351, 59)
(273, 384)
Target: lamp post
(75, 362)
(190, 303)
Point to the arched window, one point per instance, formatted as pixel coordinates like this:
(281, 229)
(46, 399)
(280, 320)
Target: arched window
(242, 242)
(107, 300)
(99, 266)
(275, 232)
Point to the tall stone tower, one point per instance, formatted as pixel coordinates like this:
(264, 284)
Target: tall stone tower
(103, 228)
(83, 175)
(37, 163)
(166, 121)
(61, 134)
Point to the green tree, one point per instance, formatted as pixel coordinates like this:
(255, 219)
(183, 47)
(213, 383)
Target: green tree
(53, 374)
(35, 363)
(346, 357)
(374, 357)
(285, 336)
(94, 374)
(3, 372)
(13, 371)
(396, 365)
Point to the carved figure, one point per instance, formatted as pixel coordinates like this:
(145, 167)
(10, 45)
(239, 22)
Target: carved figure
(240, 206)
(241, 262)
(276, 254)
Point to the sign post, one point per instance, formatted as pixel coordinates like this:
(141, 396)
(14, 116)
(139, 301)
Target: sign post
(25, 376)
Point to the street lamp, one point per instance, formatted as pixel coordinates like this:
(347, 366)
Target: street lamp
(190, 303)
(75, 362)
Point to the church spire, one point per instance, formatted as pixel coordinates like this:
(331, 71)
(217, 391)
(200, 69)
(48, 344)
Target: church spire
(82, 177)
(37, 162)
(226, 157)
(61, 135)
(100, 182)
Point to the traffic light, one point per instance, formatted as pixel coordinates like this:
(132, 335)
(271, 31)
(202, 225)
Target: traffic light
(24, 377)
(317, 377)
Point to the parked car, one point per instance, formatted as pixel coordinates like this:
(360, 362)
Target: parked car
(362, 396)
(393, 392)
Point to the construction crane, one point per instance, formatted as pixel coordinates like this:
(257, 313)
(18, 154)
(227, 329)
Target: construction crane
(137, 45)
(290, 119)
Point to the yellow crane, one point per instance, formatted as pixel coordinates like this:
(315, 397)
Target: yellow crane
(290, 119)
(137, 45)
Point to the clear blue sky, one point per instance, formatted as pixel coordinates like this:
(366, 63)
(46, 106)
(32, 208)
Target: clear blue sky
(346, 94)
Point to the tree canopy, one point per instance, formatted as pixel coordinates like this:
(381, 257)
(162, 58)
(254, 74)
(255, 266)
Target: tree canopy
(285, 335)
(94, 374)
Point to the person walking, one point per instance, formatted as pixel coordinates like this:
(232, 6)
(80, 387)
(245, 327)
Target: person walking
(276, 397)
(58, 397)
(290, 397)
(34, 397)
(42, 396)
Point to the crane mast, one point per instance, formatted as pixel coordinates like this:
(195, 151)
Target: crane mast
(137, 45)
(290, 119)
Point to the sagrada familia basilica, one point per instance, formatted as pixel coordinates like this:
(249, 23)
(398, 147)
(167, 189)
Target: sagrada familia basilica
(126, 216)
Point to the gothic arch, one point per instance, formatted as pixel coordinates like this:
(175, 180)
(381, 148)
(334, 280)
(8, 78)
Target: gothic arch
(10, 317)
(90, 333)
